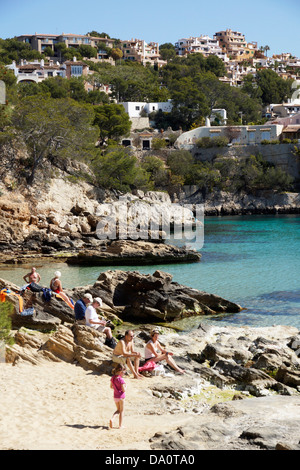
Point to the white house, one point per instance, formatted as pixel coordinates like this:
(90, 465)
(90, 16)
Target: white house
(36, 71)
(134, 109)
(202, 44)
(245, 135)
(286, 109)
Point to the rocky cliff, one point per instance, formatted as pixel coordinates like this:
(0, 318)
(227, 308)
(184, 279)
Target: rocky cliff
(60, 218)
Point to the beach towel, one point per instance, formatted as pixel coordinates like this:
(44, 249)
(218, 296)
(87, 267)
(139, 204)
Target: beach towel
(6, 291)
(148, 366)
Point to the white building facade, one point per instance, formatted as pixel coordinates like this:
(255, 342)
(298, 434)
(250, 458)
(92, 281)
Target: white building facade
(245, 135)
(202, 44)
(134, 109)
(36, 71)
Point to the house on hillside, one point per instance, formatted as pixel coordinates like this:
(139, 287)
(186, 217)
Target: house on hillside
(202, 44)
(40, 42)
(243, 135)
(36, 71)
(234, 44)
(137, 50)
(138, 112)
(285, 109)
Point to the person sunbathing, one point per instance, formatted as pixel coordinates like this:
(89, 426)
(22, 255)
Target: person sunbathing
(155, 352)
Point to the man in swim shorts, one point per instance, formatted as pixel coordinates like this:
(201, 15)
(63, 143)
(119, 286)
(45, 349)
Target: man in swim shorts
(124, 353)
(33, 276)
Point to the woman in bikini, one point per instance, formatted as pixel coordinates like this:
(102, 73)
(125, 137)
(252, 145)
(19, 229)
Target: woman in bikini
(154, 352)
(56, 286)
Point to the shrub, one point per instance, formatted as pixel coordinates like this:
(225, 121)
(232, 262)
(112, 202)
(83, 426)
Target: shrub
(158, 143)
(209, 142)
(5, 323)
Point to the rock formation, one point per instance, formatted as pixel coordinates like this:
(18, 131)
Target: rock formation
(128, 295)
(242, 385)
(64, 220)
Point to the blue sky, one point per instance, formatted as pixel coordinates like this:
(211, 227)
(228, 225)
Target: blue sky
(268, 22)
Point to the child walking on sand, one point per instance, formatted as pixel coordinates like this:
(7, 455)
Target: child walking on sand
(117, 383)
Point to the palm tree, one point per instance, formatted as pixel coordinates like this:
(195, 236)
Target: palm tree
(266, 48)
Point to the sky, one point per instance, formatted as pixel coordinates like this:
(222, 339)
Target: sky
(268, 22)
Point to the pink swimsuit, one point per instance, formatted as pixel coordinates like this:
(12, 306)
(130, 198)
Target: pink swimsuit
(117, 382)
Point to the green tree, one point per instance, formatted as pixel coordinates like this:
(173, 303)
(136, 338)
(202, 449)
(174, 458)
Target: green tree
(204, 175)
(274, 89)
(55, 127)
(12, 49)
(167, 51)
(6, 310)
(189, 102)
(87, 51)
(118, 169)
(155, 167)
(116, 53)
(112, 120)
(180, 162)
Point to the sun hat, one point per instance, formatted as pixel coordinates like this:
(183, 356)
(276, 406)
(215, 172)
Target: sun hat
(155, 331)
(99, 300)
(57, 274)
(88, 296)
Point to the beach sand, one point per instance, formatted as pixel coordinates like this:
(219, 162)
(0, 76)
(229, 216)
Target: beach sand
(60, 406)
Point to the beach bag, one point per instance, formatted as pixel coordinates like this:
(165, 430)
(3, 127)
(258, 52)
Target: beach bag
(27, 312)
(110, 342)
(46, 294)
(35, 287)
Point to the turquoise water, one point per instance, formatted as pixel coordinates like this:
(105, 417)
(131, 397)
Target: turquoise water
(254, 261)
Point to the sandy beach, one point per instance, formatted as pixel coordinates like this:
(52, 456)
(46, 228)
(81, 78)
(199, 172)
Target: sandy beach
(60, 406)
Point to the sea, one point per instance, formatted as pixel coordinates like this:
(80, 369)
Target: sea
(251, 260)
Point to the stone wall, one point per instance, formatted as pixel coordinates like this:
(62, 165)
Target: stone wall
(280, 155)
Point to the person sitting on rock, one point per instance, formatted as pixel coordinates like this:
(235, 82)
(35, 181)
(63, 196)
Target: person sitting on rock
(154, 352)
(124, 353)
(92, 320)
(81, 306)
(56, 286)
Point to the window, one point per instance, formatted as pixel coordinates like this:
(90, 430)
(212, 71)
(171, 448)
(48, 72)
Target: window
(251, 136)
(76, 70)
(137, 108)
(266, 135)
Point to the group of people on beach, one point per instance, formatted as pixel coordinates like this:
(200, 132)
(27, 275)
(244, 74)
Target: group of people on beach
(124, 353)
(33, 277)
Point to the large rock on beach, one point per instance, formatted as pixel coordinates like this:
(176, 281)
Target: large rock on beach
(234, 403)
(129, 252)
(145, 298)
(127, 295)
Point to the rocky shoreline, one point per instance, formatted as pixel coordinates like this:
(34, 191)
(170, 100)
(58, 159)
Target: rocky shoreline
(59, 221)
(222, 203)
(127, 296)
(241, 386)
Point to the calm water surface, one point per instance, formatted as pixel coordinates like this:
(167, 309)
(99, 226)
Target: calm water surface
(254, 261)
